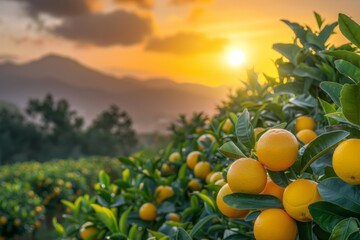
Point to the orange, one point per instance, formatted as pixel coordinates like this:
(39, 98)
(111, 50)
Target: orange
(272, 188)
(202, 169)
(220, 182)
(162, 193)
(39, 209)
(228, 126)
(3, 220)
(17, 222)
(215, 177)
(274, 224)
(246, 175)
(277, 149)
(257, 131)
(192, 159)
(226, 209)
(166, 169)
(148, 212)
(304, 122)
(37, 224)
(207, 179)
(174, 157)
(174, 217)
(205, 140)
(194, 185)
(346, 161)
(306, 135)
(87, 231)
(298, 195)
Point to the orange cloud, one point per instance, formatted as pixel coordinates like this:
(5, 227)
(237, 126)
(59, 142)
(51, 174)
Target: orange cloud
(140, 3)
(186, 44)
(189, 1)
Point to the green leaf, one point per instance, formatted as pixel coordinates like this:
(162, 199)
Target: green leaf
(157, 235)
(333, 89)
(230, 150)
(349, 70)
(304, 70)
(244, 130)
(345, 55)
(127, 161)
(350, 102)
(123, 221)
(328, 108)
(319, 146)
(350, 29)
(305, 230)
(207, 200)
(326, 32)
(319, 20)
(289, 51)
(327, 214)
(200, 224)
(233, 118)
(58, 227)
(279, 178)
(104, 178)
(246, 201)
(181, 234)
(106, 216)
(336, 191)
(344, 229)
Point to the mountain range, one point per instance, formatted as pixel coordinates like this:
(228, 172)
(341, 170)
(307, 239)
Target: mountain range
(152, 104)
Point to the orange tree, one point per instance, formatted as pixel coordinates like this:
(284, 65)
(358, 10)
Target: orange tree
(253, 173)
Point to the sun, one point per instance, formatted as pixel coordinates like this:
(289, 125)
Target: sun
(236, 58)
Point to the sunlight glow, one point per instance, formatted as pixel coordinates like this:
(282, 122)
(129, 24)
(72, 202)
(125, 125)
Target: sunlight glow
(236, 58)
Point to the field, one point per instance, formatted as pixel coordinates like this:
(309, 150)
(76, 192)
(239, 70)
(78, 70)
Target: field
(279, 161)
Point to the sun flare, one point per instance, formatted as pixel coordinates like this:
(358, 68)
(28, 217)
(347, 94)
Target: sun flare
(236, 58)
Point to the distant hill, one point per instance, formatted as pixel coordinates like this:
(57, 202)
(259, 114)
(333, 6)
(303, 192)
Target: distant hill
(152, 104)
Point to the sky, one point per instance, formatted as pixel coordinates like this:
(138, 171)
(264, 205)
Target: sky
(182, 40)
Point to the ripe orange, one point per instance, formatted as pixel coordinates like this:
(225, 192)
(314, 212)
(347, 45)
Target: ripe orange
(3, 220)
(166, 169)
(298, 195)
(207, 179)
(277, 149)
(346, 161)
(148, 212)
(174, 217)
(202, 169)
(215, 177)
(192, 159)
(194, 185)
(246, 175)
(304, 122)
(205, 140)
(174, 157)
(306, 135)
(228, 126)
(274, 224)
(220, 182)
(17, 222)
(272, 188)
(39, 209)
(87, 231)
(226, 209)
(162, 193)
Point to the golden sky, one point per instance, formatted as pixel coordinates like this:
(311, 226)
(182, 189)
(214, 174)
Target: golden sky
(182, 40)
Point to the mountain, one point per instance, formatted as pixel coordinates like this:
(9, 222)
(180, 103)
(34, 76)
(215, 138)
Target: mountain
(152, 103)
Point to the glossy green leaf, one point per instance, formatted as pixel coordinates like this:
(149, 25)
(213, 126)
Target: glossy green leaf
(350, 29)
(305, 230)
(319, 20)
(319, 146)
(350, 102)
(246, 201)
(181, 234)
(200, 224)
(349, 70)
(327, 214)
(230, 150)
(344, 229)
(106, 216)
(104, 178)
(333, 89)
(328, 108)
(345, 55)
(279, 178)
(123, 221)
(244, 130)
(336, 191)
(210, 202)
(289, 51)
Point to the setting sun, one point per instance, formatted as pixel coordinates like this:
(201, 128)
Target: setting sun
(236, 58)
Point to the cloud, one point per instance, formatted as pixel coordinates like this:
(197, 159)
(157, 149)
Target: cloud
(179, 2)
(8, 57)
(115, 28)
(195, 14)
(139, 3)
(60, 8)
(186, 44)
